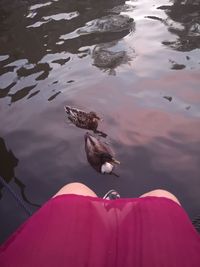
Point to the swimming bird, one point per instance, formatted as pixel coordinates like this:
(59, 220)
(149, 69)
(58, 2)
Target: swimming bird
(99, 155)
(84, 120)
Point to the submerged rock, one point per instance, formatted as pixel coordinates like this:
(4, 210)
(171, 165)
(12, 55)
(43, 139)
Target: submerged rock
(110, 23)
(107, 59)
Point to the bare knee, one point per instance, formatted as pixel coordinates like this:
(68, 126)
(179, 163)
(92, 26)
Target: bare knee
(77, 189)
(161, 193)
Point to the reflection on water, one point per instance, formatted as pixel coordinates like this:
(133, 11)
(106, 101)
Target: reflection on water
(135, 63)
(187, 14)
(8, 163)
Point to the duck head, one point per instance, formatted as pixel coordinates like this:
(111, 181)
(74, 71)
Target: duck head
(99, 155)
(93, 120)
(93, 116)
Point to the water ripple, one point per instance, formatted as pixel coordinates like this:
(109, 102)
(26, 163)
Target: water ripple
(34, 7)
(136, 63)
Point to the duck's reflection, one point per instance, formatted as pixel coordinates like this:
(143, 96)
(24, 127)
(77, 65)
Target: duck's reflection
(7, 170)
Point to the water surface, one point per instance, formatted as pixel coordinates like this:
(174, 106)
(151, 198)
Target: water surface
(141, 76)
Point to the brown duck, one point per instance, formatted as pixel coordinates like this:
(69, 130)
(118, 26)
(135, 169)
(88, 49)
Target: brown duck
(99, 155)
(82, 119)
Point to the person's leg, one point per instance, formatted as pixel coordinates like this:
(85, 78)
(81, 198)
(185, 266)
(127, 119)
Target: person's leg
(161, 193)
(77, 189)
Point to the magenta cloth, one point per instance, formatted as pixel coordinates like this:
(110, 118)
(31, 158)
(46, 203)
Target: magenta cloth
(79, 231)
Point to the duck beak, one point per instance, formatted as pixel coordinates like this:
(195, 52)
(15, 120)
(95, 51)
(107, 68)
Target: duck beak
(115, 161)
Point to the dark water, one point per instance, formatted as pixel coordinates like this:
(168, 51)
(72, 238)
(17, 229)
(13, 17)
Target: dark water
(142, 77)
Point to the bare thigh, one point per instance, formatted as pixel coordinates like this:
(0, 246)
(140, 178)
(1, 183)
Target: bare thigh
(77, 189)
(161, 193)
(81, 189)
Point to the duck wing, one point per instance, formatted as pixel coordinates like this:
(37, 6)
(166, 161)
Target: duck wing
(77, 116)
(74, 111)
(95, 149)
(95, 146)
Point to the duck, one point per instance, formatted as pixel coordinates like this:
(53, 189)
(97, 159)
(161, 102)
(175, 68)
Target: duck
(99, 155)
(82, 119)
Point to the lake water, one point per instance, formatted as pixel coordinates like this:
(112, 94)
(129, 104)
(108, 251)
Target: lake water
(142, 77)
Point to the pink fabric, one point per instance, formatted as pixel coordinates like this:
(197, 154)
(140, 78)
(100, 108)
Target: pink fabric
(78, 231)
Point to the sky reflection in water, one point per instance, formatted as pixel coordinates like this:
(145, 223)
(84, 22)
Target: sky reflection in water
(141, 76)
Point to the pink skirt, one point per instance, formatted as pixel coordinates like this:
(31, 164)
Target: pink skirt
(79, 231)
